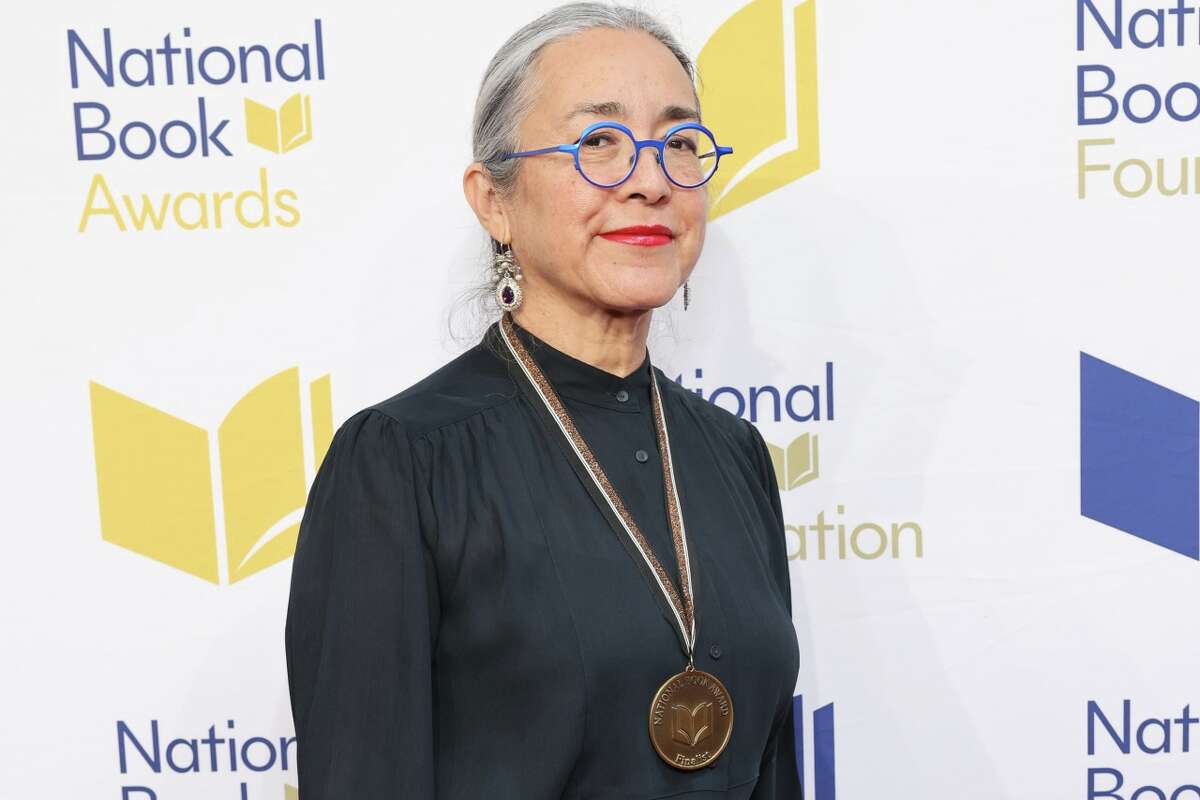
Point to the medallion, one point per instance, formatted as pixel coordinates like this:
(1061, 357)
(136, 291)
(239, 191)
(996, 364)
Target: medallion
(691, 719)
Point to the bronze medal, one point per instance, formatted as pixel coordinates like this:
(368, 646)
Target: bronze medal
(691, 719)
(691, 714)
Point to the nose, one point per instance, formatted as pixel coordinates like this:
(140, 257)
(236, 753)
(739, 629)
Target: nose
(648, 179)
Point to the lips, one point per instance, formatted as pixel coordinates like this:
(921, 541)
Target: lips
(643, 235)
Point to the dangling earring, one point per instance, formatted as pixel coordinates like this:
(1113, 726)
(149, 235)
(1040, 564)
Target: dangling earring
(505, 272)
(687, 297)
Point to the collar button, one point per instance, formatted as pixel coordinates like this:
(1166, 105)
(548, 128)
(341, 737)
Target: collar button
(622, 395)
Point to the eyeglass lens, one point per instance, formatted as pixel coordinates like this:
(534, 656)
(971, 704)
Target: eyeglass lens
(606, 156)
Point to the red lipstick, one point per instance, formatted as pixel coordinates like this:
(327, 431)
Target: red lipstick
(643, 235)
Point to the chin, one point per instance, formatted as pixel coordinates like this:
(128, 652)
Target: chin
(641, 300)
(639, 286)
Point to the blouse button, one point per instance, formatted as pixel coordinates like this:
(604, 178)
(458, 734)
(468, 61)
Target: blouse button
(622, 395)
(642, 456)
(715, 651)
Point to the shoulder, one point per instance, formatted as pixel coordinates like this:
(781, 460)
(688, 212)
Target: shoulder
(466, 385)
(384, 437)
(740, 434)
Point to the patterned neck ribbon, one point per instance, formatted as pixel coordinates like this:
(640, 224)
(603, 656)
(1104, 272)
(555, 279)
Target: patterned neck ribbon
(684, 609)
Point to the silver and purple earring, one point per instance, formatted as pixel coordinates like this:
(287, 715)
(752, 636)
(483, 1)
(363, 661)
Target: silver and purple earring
(506, 274)
(687, 296)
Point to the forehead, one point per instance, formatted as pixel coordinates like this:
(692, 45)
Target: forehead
(611, 73)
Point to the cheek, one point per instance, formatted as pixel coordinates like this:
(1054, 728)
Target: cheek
(559, 213)
(695, 212)
(581, 208)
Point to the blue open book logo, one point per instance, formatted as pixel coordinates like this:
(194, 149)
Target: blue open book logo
(1139, 456)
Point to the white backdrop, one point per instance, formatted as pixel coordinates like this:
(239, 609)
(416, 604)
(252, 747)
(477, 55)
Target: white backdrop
(940, 259)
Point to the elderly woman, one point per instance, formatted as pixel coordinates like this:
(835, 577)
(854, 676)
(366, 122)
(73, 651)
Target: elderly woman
(546, 570)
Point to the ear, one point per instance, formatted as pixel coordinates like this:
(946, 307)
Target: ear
(484, 200)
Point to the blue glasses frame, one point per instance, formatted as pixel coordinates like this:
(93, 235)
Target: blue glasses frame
(658, 144)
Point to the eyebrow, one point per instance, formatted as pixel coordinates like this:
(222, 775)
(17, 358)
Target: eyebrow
(615, 108)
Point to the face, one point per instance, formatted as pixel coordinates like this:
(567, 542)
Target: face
(556, 218)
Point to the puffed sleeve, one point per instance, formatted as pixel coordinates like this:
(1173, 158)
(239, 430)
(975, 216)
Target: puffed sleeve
(778, 778)
(362, 621)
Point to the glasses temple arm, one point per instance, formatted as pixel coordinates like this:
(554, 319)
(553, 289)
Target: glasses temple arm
(564, 148)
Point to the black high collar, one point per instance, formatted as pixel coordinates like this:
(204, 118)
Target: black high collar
(580, 380)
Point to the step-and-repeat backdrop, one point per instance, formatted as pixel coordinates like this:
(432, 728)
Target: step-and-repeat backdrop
(949, 274)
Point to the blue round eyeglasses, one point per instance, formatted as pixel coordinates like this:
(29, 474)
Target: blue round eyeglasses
(606, 154)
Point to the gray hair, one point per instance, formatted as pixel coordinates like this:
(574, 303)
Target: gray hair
(510, 86)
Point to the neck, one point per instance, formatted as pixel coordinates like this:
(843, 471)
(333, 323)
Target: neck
(614, 342)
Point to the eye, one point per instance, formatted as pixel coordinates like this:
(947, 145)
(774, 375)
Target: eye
(599, 140)
(682, 143)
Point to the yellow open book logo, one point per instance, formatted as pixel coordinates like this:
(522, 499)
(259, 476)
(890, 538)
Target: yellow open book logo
(164, 495)
(758, 92)
(798, 463)
(282, 130)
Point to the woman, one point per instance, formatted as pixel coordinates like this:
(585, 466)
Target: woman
(546, 570)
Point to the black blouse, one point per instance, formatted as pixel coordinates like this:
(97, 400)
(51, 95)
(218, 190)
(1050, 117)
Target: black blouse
(463, 623)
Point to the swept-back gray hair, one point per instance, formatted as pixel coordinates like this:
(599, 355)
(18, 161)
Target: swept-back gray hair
(509, 85)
